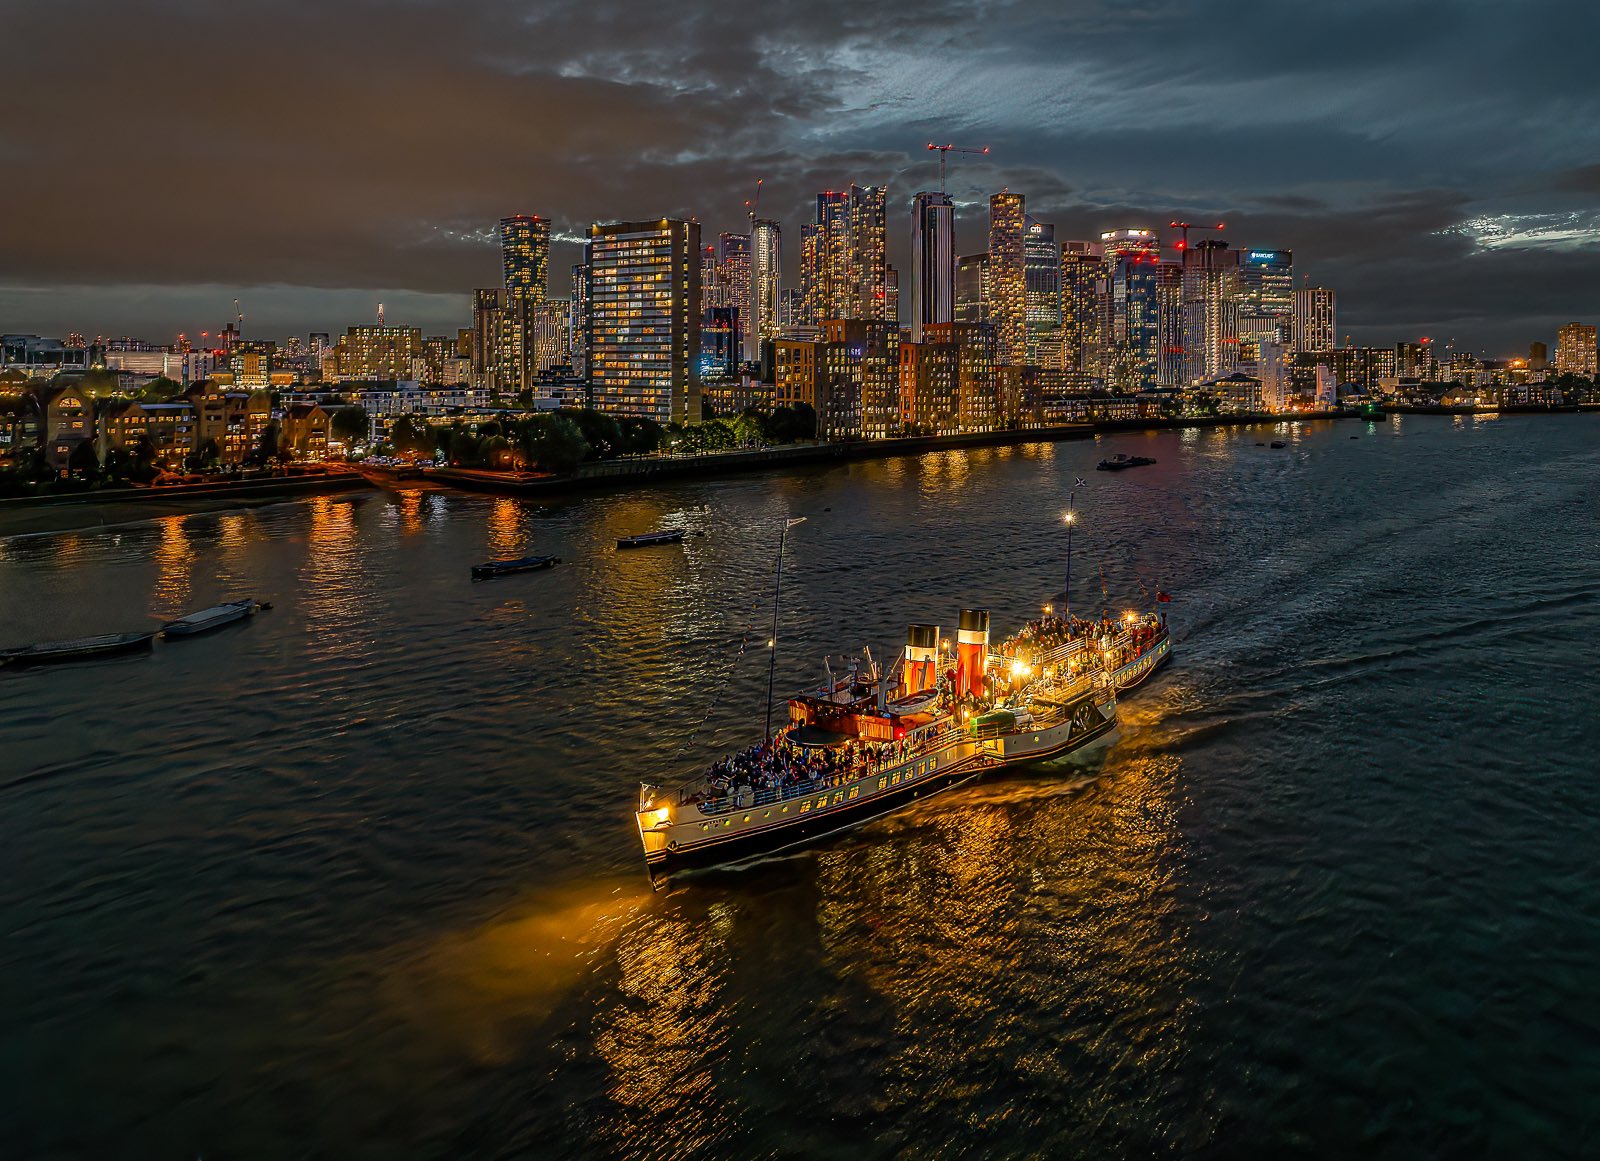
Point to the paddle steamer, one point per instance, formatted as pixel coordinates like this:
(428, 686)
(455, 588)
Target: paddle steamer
(869, 743)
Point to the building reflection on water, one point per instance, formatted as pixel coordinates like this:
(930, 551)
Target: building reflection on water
(174, 557)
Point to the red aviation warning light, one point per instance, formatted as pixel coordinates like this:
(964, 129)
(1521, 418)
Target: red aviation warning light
(1183, 243)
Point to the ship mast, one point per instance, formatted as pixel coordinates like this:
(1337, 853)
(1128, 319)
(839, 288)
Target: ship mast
(1070, 519)
(777, 595)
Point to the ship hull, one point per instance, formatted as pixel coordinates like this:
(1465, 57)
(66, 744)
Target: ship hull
(743, 834)
(1136, 672)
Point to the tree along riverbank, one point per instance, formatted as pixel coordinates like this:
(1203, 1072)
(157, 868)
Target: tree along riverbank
(622, 473)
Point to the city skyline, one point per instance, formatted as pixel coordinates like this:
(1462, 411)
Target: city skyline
(1440, 198)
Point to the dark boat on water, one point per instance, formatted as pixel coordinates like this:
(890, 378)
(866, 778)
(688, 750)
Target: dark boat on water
(1278, 443)
(650, 539)
(496, 568)
(83, 649)
(207, 620)
(1121, 460)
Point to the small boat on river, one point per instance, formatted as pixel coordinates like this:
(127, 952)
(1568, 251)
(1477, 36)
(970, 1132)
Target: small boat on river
(82, 649)
(494, 568)
(209, 620)
(651, 539)
(1121, 461)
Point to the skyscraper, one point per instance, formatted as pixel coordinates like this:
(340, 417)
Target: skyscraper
(1169, 324)
(1210, 310)
(525, 254)
(733, 276)
(1082, 273)
(933, 261)
(766, 246)
(1115, 243)
(1136, 309)
(1266, 280)
(972, 289)
(644, 318)
(1042, 284)
(488, 313)
(525, 258)
(710, 280)
(1575, 350)
(1008, 277)
(1314, 320)
(844, 257)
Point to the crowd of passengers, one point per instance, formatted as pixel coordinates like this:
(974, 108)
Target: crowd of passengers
(780, 764)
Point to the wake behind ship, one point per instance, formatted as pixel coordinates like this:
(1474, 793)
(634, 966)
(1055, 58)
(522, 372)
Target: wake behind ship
(867, 744)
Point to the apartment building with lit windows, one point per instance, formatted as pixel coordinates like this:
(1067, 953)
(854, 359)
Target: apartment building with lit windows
(643, 328)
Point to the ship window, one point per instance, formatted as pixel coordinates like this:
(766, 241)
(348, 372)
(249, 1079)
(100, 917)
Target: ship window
(882, 782)
(838, 798)
(854, 790)
(821, 802)
(767, 815)
(747, 818)
(705, 826)
(805, 806)
(727, 822)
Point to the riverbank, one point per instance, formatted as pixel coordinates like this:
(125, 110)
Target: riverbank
(37, 515)
(621, 473)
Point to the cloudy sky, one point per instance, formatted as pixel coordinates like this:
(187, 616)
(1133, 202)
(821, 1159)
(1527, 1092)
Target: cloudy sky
(1438, 163)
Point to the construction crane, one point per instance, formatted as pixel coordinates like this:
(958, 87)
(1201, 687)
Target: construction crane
(945, 151)
(755, 205)
(1185, 227)
(238, 317)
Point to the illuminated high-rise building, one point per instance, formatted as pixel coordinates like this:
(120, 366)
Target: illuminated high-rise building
(1042, 284)
(1169, 324)
(766, 289)
(1210, 311)
(710, 280)
(972, 289)
(644, 319)
(1134, 356)
(1315, 326)
(525, 254)
(1575, 350)
(1115, 243)
(525, 260)
(488, 315)
(1083, 272)
(733, 275)
(552, 335)
(1266, 279)
(580, 324)
(844, 258)
(1007, 296)
(379, 352)
(933, 261)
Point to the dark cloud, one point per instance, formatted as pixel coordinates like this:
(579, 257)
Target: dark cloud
(320, 153)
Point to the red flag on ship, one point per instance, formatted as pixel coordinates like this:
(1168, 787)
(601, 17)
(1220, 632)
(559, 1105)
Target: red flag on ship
(1162, 596)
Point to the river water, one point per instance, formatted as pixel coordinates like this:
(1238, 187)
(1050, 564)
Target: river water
(358, 878)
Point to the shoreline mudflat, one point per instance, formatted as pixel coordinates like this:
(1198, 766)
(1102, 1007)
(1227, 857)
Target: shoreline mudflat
(80, 512)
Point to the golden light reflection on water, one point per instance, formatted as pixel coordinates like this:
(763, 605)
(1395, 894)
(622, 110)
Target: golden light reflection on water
(668, 1029)
(174, 560)
(506, 534)
(332, 583)
(1020, 901)
(475, 992)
